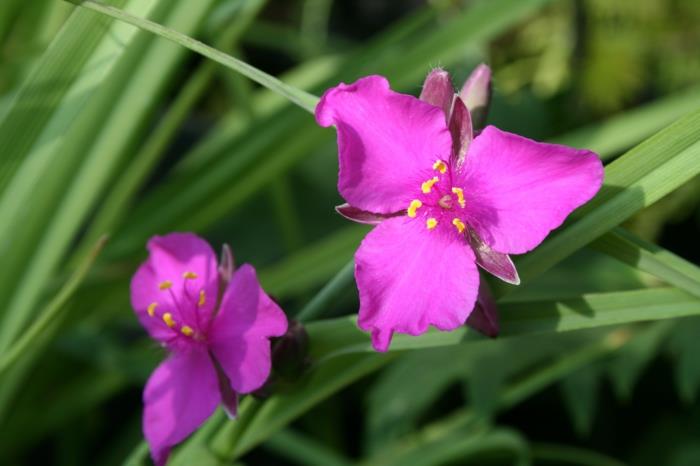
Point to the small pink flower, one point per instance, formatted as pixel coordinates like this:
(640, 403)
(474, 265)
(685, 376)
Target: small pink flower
(443, 200)
(219, 344)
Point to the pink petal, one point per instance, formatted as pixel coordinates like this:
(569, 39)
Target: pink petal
(461, 130)
(518, 190)
(410, 277)
(438, 91)
(386, 141)
(170, 257)
(476, 94)
(179, 396)
(362, 216)
(484, 317)
(240, 334)
(495, 263)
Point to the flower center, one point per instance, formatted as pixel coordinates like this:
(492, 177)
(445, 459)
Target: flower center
(168, 316)
(439, 202)
(445, 201)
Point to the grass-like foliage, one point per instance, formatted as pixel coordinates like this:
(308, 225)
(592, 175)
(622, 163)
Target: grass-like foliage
(122, 119)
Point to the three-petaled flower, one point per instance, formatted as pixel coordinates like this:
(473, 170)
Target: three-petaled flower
(442, 199)
(217, 325)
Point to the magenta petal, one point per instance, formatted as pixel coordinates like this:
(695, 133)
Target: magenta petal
(179, 396)
(171, 256)
(484, 317)
(410, 277)
(518, 190)
(362, 216)
(386, 140)
(495, 263)
(461, 130)
(476, 94)
(240, 334)
(438, 91)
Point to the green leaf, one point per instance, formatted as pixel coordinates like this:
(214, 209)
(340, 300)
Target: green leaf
(297, 96)
(332, 337)
(40, 145)
(580, 392)
(549, 453)
(39, 332)
(94, 150)
(32, 117)
(436, 449)
(650, 258)
(684, 344)
(626, 129)
(631, 360)
(303, 450)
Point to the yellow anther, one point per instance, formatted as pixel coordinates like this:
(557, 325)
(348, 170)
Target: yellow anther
(440, 166)
(187, 330)
(459, 225)
(412, 207)
(168, 319)
(202, 298)
(152, 309)
(460, 196)
(189, 275)
(431, 223)
(165, 285)
(428, 185)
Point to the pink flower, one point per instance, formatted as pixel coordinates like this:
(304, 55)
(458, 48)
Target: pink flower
(219, 344)
(443, 200)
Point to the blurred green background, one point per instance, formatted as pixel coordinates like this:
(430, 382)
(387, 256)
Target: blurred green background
(104, 129)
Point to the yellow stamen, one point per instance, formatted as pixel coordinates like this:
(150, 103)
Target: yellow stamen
(152, 309)
(412, 207)
(431, 223)
(428, 185)
(189, 275)
(459, 225)
(440, 166)
(168, 319)
(165, 285)
(202, 298)
(460, 196)
(187, 330)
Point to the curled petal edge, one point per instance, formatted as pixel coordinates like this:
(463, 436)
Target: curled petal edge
(497, 264)
(362, 216)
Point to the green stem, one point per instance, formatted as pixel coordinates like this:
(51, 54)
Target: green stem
(231, 432)
(297, 96)
(329, 292)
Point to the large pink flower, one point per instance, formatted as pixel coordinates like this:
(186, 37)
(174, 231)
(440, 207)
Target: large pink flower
(443, 200)
(219, 344)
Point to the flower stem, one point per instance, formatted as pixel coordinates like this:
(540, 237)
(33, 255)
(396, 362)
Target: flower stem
(297, 96)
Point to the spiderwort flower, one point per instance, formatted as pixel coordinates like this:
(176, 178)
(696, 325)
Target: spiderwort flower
(216, 324)
(442, 200)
